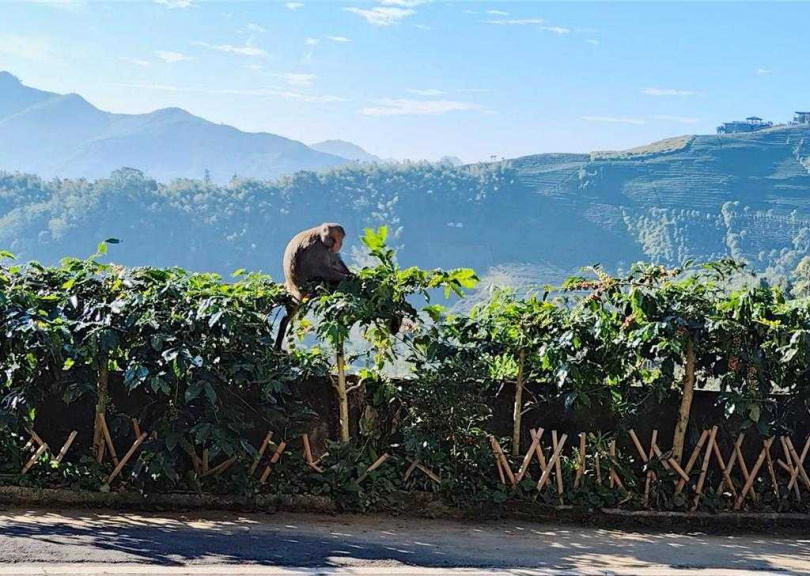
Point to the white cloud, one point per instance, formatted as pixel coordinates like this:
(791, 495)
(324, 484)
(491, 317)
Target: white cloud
(422, 26)
(176, 3)
(382, 15)
(764, 72)
(258, 92)
(497, 13)
(667, 92)
(340, 39)
(256, 28)
(593, 42)
(294, 5)
(404, 3)
(677, 119)
(172, 57)
(298, 79)
(245, 50)
(311, 41)
(613, 120)
(426, 92)
(26, 47)
(556, 29)
(408, 107)
(136, 61)
(517, 22)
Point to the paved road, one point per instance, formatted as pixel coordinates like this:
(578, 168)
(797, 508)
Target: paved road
(83, 542)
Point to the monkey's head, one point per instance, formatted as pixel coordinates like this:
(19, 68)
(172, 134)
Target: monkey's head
(332, 236)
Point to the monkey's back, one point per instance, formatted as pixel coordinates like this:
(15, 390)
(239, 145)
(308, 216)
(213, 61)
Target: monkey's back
(295, 260)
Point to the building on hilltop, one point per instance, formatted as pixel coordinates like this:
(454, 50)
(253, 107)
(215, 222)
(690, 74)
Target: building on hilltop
(801, 118)
(750, 124)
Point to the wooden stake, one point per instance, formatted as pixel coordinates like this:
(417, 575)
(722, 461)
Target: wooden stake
(502, 457)
(650, 473)
(743, 466)
(66, 447)
(706, 459)
(205, 461)
(795, 474)
(598, 467)
(524, 467)
(273, 459)
(377, 463)
(692, 459)
(411, 468)
(552, 462)
(726, 474)
(217, 470)
(791, 468)
(126, 458)
(34, 458)
(732, 460)
(136, 427)
(772, 473)
(754, 471)
(538, 449)
(799, 461)
(107, 438)
(518, 407)
(260, 453)
(581, 461)
(614, 477)
(672, 464)
(557, 466)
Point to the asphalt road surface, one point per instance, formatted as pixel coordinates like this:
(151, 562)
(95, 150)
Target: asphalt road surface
(218, 543)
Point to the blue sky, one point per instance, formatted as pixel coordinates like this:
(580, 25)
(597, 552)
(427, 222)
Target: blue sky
(423, 79)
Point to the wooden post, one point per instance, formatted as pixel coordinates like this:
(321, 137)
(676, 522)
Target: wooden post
(126, 458)
(496, 448)
(650, 473)
(726, 473)
(552, 462)
(518, 409)
(580, 461)
(692, 459)
(754, 471)
(102, 394)
(538, 449)
(217, 470)
(524, 467)
(42, 448)
(377, 463)
(557, 466)
(791, 469)
(706, 459)
(108, 439)
(260, 453)
(273, 459)
(772, 473)
(799, 461)
(682, 422)
(66, 447)
(732, 460)
(343, 401)
(614, 477)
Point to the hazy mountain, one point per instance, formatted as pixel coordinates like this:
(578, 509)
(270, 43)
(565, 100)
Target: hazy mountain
(345, 150)
(535, 218)
(64, 135)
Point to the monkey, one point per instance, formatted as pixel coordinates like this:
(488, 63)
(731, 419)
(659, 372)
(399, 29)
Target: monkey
(311, 255)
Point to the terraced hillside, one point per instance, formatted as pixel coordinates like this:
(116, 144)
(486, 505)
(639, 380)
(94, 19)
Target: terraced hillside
(531, 219)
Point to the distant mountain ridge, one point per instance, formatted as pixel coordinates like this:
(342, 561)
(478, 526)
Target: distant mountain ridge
(345, 150)
(64, 135)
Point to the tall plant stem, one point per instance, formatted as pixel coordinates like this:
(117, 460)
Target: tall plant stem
(686, 401)
(343, 402)
(518, 405)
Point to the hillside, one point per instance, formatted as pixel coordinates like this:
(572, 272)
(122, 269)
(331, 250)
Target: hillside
(535, 218)
(66, 136)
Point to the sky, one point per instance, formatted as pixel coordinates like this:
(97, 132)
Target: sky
(424, 79)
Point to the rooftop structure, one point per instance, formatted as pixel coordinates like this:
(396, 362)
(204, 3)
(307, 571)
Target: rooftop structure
(801, 118)
(750, 124)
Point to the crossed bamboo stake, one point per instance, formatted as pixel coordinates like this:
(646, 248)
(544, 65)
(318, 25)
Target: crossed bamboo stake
(42, 447)
(535, 450)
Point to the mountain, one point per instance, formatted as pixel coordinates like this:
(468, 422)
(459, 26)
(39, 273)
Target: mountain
(345, 150)
(64, 135)
(526, 220)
